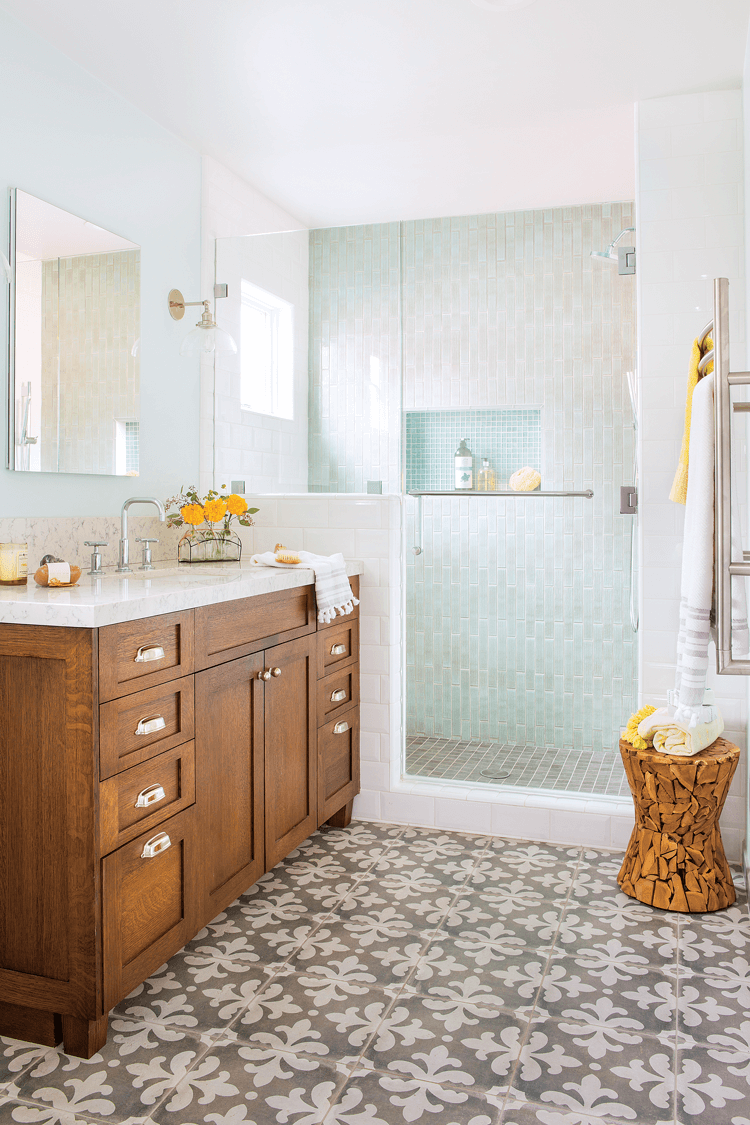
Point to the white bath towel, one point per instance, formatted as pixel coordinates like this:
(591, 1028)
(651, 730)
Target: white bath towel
(698, 566)
(332, 590)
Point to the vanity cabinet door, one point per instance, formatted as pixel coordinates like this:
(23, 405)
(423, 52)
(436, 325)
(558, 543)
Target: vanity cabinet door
(229, 780)
(291, 752)
(148, 903)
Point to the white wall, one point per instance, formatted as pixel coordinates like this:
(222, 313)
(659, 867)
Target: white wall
(232, 208)
(66, 138)
(690, 229)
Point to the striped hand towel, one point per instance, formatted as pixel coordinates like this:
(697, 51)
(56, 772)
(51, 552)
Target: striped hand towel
(332, 590)
(698, 566)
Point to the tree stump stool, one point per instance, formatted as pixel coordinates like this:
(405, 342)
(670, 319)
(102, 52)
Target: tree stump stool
(675, 859)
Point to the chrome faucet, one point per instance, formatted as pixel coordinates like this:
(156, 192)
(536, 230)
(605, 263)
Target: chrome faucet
(124, 568)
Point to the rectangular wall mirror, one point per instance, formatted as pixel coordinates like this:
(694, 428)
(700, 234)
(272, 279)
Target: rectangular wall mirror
(75, 327)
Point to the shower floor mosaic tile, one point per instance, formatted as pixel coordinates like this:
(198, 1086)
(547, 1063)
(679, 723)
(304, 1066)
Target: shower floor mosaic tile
(387, 975)
(530, 767)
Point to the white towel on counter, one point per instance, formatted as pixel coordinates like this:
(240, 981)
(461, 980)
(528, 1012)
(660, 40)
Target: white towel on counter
(332, 590)
(696, 590)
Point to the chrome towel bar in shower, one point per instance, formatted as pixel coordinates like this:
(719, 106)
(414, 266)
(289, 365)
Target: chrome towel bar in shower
(496, 494)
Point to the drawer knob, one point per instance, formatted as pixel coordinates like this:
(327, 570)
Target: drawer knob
(149, 726)
(156, 845)
(276, 671)
(338, 696)
(338, 650)
(264, 675)
(341, 727)
(149, 796)
(149, 652)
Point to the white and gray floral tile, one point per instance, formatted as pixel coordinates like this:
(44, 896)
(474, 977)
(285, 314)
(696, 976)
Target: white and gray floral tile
(383, 975)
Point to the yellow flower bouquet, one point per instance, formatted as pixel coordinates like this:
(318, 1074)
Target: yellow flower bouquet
(209, 536)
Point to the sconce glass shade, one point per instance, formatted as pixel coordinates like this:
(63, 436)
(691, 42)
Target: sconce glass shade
(203, 341)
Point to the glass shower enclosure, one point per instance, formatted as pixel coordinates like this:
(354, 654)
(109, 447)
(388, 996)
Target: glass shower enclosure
(519, 657)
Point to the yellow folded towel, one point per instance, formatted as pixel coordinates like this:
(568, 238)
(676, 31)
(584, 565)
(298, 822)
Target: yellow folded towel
(673, 737)
(679, 485)
(525, 480)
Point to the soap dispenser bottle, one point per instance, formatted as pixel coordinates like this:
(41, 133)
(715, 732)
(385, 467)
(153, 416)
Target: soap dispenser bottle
(486, 479)
(463, 464)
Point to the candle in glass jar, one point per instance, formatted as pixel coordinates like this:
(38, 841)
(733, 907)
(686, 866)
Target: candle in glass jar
(14, 559)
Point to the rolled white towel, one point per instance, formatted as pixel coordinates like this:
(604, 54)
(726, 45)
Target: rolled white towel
(671, 735)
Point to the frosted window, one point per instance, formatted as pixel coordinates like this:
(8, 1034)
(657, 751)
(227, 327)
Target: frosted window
(266, 370)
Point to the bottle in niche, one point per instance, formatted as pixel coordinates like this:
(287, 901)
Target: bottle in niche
(463, 464)
(486, 481)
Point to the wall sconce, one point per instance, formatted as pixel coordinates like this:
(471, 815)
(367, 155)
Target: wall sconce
(206, 337)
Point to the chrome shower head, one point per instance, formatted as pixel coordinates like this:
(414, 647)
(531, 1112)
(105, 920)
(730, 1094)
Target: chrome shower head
(610, 254)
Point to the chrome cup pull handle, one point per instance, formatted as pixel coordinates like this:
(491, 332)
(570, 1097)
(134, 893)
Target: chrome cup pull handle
(149, 652)
(341, 727)
(156, 845)
(149, 796)
(150, 726)
(338, 696)
(338, 650)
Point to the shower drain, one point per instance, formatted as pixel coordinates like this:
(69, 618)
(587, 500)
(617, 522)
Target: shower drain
(494, 776)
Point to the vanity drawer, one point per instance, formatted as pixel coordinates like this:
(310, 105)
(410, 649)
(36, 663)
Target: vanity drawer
(138, 799)
(139, 654)
(337, 692)
(148, 903)
(231, 629)
(138, 726)
(338, 763)
(354, 583)
(338, 647)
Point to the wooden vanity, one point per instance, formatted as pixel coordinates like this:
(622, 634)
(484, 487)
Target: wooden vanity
(151, 771)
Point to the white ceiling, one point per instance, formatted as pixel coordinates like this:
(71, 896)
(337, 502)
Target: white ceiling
(367, 110)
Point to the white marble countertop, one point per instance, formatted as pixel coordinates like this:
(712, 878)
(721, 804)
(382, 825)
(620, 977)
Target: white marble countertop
(95, 602)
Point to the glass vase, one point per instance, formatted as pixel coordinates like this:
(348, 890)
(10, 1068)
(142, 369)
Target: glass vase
(209, 546)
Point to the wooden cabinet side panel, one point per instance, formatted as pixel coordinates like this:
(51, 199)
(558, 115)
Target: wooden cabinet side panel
(49, 890)
(291, 752)
(229, 780)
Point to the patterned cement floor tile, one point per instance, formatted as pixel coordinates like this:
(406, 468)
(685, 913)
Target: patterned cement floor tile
(304, 1020)
(139, 1064)
(16, 1056)
(619, 915)
(712, 1086)
(557, 1113)
(473, 912)
(514, 989)
(239, 1084)
(704, 1010)
(556, 1071)
(385, 964)
(172, 997)
(484, 1050)
(423, 911)
(576, 994)
(414, 1091)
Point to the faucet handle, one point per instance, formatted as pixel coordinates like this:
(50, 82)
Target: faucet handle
(96, 555)
(146, 564)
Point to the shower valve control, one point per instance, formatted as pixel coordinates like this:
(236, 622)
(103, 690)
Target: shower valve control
(628, 500)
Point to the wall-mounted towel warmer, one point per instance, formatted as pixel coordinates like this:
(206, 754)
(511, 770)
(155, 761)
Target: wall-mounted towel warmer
(725, 568)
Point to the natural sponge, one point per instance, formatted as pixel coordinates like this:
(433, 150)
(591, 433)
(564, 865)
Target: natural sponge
(525, 480)
(631, 735)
